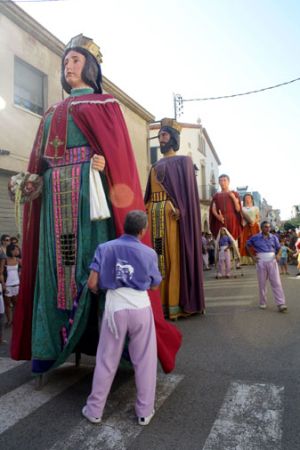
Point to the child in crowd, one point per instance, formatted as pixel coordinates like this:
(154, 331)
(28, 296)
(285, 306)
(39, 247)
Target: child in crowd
(283, 257)
(224, 244)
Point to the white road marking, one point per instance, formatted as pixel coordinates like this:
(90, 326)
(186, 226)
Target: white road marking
(22, 401)
(229, 303)
(120, 428)
(8, 364)
(229, 297)
(230, 286)
(249, 419)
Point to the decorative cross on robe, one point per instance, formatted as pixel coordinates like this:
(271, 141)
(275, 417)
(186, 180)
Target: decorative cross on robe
(56, 143)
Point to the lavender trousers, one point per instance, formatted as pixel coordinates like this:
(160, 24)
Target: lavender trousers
(139, 325)
(269, 270)
(224, 264)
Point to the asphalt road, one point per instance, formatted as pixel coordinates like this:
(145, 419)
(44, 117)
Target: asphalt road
(236, 385)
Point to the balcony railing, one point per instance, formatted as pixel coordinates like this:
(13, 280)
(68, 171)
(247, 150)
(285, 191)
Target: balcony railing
(207, 191)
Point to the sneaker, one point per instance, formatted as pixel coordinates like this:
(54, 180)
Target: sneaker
(262, 306)
(145, 420)
(90, 418)
(282, 308)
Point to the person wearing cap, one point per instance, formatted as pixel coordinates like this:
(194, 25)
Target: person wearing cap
(264, 250)
(82, 152)
(172, 202)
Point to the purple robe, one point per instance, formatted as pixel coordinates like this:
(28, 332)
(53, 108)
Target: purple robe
(177, 176)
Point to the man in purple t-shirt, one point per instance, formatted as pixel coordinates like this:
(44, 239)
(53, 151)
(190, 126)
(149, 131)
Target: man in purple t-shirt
(266, 247)
(126, 268)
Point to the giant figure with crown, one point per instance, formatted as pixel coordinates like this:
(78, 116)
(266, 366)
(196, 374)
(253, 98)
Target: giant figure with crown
(78, 137)
(173, 206)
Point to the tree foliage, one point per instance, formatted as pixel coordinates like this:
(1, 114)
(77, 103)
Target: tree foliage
(291, 224)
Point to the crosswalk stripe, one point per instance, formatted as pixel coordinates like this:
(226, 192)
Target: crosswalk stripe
(223, 288)
(229, 297)
(28, 399)
(250, 418)
(8, 364)
(229, 281)
(229, 303)
(120, 428)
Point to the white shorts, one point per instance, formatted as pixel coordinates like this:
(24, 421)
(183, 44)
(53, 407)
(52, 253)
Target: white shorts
(11, 291)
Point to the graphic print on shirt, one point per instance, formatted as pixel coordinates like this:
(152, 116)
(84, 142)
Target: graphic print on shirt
(124, 270)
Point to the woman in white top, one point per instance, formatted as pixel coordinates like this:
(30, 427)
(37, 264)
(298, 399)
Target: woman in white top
(9, 272)
(251, 219)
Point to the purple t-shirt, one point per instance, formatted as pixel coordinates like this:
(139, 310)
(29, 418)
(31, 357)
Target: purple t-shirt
(224, 240)
(126, 262)
(264, 245)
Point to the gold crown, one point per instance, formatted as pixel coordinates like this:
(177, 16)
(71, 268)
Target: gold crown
(171, 123)
(86, 43)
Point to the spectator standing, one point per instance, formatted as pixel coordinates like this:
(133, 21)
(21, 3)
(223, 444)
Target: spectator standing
(210, 249)
(9, 271)
(283, 257)
(205, 252)
(264, 248)
(5, 241)
(126, 268)
(223, 243)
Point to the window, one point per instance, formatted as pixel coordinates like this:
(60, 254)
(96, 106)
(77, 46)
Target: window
(29, 87)
(153, 154)
(201, 144)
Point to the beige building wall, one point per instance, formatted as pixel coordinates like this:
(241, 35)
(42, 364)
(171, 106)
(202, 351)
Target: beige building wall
(18, 125)
(21, 36)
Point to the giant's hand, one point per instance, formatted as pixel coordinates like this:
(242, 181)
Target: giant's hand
(221, 217)
(98, 163)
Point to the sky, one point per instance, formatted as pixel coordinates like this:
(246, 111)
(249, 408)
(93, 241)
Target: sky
(205, 48)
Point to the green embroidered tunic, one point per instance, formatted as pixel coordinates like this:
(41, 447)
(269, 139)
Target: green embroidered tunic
(50, 346)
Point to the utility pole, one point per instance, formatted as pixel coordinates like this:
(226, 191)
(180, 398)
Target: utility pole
(178, 105)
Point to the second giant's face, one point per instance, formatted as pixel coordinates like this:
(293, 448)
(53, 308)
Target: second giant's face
(163, 138)
(74, 63)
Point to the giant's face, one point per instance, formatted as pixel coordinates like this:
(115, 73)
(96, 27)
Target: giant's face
(248, 200)
(224, 183)
(163, 137)
(73, 65)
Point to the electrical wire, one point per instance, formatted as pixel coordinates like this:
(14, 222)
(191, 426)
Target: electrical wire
(240, 94)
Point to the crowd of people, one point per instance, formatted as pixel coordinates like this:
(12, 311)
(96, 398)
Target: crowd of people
(288, 254)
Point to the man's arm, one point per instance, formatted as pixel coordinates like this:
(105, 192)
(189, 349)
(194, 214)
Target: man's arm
(250, 253)
(155, 274)
(236, 202)
(93, 281)
(217, 214)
